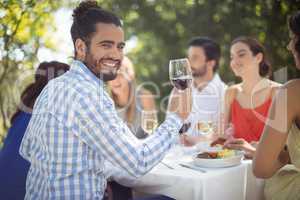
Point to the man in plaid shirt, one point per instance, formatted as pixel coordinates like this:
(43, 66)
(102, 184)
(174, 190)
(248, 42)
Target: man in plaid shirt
(74, 127)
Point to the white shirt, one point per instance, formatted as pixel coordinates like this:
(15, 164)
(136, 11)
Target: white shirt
(207, 104)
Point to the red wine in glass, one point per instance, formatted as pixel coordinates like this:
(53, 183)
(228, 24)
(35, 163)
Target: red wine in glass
(182, 82)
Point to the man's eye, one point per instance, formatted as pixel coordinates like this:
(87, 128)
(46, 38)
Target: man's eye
(121, 47)
(106, 45)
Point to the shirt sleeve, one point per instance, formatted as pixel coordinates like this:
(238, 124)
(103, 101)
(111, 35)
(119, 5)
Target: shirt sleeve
(119, 175)
(98, 125)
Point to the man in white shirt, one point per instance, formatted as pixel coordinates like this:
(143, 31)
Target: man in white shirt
(207, 87)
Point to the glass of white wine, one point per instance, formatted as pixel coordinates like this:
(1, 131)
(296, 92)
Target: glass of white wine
(149, 121)
(206, 127)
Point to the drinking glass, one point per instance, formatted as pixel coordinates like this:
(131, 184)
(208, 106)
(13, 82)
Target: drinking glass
(149, 121)
(180, 73)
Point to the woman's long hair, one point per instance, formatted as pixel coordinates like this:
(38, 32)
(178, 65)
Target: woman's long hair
(131, 105)
(127, 71)
(44, 73)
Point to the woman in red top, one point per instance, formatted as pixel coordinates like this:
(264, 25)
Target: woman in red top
(247, 103)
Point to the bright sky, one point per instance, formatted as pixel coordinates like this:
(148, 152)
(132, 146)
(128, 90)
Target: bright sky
(62, 38)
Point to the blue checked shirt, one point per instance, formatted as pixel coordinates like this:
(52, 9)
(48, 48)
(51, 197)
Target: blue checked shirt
(75, 128)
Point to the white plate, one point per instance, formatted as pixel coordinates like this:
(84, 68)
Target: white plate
(219, 162)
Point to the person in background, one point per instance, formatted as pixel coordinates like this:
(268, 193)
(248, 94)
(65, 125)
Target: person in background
(207, 88)
(247, 103)
(132, 104)
(278, 152)
(13, 168)
(75, 128)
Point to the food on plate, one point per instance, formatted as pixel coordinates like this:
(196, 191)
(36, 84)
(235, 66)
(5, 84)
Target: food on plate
(225, 153)
(219, 141)
(207, 155)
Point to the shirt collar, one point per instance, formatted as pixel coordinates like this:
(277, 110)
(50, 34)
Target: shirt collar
(216, 79)
(212, 86)
(85, 72)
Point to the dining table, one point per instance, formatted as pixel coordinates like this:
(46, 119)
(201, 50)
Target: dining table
(178, 177)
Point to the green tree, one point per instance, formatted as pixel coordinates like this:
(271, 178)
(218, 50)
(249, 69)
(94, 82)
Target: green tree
(163, 28)
(24, 28)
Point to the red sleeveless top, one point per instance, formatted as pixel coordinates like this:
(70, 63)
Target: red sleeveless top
(249, 123)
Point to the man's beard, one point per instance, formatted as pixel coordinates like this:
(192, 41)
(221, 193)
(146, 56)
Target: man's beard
(93, 64)
(200, 72)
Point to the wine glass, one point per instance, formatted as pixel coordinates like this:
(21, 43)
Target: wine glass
(180, 73)
(149, 121)
(205, 127)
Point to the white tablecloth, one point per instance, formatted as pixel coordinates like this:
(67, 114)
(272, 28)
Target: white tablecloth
(232, 183)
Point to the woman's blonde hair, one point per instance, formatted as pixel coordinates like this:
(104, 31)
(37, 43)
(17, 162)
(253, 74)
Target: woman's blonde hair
(127, 70)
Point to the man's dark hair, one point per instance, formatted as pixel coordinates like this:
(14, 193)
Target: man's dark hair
(85, 17)
(211, 49)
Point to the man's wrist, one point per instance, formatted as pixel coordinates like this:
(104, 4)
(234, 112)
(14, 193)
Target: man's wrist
(184, 128)
(175, 118)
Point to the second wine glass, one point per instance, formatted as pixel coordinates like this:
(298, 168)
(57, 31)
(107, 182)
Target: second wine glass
(149, 121)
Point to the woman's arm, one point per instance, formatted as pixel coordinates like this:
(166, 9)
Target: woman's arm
(242, 144)
(268, 158)
(226, 116)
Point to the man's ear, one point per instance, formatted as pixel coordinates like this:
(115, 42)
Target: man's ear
(80, 48)
(211, 64)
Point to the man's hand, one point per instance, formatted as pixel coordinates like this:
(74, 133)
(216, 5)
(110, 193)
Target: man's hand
(188, 140)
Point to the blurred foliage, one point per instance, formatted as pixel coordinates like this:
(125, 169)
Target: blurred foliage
(163, 29)
(24, 28)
